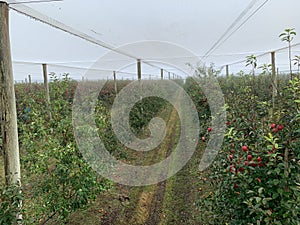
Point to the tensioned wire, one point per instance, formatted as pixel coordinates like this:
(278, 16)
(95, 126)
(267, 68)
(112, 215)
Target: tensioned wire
(27, 11)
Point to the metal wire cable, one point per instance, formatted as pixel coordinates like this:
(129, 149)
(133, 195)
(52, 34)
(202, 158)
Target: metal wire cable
(245, 21)
(71, 67)
(20, 8)
(154, 58)
(29, 2)
(25, 10)
(263, 54)
(244, 12)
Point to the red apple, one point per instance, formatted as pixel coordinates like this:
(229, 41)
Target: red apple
(235, 185)
(209, 129)
(259, 159)
(253, 164)
(241, 169)
(249, 157)
(245, 148)
(273, 125)
(280, 127)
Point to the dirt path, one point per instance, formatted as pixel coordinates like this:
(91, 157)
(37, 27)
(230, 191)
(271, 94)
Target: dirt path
(169, 202)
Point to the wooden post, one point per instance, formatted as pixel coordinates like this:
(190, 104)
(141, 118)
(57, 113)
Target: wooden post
(274, 75)
(169, 75)
(161, 74)
(274, 83)
(115, 82)
(227, 71)
(45, 74)
(29, 79)
(8, 113)
(139, 69)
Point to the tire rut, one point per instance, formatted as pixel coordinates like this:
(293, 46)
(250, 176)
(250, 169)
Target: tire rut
(156, 209)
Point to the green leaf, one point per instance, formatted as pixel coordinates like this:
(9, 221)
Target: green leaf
(265, 200)
(280, 191)
(276, 181)
(275, 195)
(258, 199)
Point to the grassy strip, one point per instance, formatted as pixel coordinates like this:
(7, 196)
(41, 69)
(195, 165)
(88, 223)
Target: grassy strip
(179, 205)
(169, 145)
(140, 209)
(109, 209)
(169, 202)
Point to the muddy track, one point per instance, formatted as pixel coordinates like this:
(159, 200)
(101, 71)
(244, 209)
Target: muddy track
(156, 208)
(168, 202)
(146, 205)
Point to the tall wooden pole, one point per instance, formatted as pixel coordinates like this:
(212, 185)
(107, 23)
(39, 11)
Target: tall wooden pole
(274, 82)
(29, 79)
(139, 69)
(46, 84)
(227, 71)
(115, 82)
(161, 74)
(8, 113)
(169, 75)
(274, 75)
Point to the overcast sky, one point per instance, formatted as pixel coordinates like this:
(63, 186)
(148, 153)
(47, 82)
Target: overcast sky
(193, 24)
